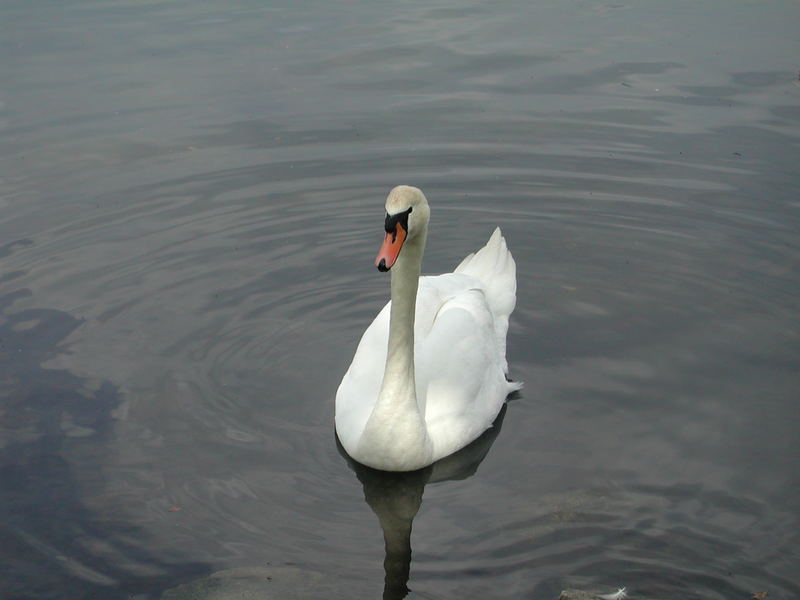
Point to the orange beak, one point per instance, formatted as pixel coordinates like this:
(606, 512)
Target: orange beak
(390, 248)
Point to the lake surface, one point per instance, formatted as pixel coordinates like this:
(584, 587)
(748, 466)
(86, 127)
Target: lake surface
(191, 198)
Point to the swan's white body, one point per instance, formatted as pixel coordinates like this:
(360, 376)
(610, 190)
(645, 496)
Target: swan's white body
(429, 374)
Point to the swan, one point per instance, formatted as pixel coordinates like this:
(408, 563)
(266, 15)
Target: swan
(429, 374)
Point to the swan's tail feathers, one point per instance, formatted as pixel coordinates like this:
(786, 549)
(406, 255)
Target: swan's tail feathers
(514, 386)
(495, 267)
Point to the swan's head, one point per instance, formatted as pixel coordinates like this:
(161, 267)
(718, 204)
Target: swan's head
(407, 215)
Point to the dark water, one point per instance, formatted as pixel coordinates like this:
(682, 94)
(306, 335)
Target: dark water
(190, 201)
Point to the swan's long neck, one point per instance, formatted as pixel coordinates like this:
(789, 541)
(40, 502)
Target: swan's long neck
(399, 373)
(397, 415)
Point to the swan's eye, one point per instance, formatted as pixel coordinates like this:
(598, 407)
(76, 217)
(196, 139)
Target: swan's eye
(393, 220)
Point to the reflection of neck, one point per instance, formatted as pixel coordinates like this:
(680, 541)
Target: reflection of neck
(397, 564)
(395, 499)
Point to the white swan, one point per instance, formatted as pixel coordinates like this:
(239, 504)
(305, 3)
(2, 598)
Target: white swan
(429, 374)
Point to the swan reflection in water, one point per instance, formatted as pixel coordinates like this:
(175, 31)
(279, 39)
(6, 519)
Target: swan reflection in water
(395, 497)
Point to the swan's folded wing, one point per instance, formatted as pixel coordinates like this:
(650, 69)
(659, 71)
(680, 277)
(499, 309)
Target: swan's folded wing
(459, 372)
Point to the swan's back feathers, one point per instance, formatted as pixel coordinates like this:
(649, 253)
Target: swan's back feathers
(494, 266)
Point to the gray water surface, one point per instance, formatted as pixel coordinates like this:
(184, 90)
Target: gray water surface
(191, 197)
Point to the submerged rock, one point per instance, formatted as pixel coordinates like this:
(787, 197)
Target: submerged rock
(576, 595)
(256, 583)
(581, 595)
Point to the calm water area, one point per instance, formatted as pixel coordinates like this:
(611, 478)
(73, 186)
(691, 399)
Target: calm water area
(191, 198)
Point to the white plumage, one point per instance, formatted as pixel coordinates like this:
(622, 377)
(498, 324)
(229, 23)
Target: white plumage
(429, 374)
